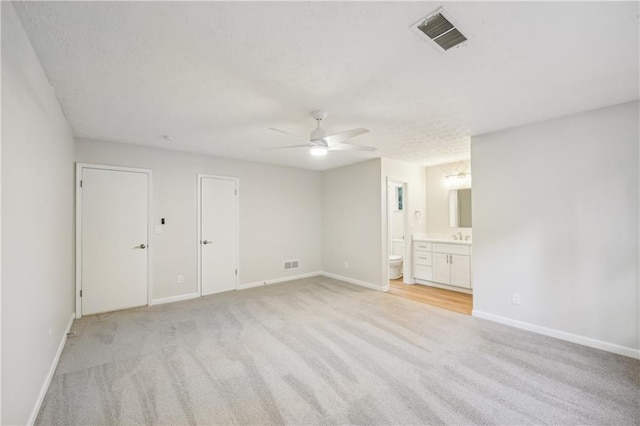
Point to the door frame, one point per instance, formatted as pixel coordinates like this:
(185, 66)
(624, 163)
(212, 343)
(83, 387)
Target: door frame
(78, 248)
(199, 177)
(387, 240)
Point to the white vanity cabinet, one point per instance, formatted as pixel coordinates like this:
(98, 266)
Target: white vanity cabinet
(422, 261)
(449, 264)
(452, 269)
(460, 271)
(441, 269)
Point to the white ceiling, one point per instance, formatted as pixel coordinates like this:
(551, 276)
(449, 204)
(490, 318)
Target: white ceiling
(215, 76)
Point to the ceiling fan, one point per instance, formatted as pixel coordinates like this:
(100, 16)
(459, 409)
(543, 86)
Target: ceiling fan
(319, 143)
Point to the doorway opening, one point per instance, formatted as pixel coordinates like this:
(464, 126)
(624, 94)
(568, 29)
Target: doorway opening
(400, 263)
(396, 230)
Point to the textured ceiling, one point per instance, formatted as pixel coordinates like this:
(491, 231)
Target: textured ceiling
(215, 76)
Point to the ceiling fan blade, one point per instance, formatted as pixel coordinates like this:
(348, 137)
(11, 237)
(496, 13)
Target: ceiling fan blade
(288, 134)
(343, 136)
(350, 147)
(293, 146)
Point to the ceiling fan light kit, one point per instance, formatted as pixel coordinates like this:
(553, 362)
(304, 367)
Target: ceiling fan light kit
(318, 151)
(319, 143)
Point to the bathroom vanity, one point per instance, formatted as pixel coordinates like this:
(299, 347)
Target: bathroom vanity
(443, 263)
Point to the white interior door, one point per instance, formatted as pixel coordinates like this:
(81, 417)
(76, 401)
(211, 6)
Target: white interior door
(218, 234)
(114, 239)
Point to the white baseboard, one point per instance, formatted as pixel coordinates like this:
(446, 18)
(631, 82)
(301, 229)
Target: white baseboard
(356, 282)
(251, 285)
(174, 298)
(52, 370)
(278, 280)
(562, 335)
(443, 286)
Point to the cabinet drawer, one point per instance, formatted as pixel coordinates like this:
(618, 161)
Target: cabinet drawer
(422, 246)
(451, 249)
(422, 272)
(422, 258)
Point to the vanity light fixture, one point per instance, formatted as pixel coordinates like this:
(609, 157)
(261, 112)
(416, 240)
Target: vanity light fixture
(460, 180)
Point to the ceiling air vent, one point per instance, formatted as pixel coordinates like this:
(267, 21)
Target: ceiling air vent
(439, 29)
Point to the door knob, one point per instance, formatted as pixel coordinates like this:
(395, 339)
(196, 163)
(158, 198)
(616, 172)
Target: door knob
(142, 246)
(207, 242)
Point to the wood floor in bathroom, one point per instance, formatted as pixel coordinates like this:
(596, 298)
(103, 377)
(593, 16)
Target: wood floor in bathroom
(447, 299)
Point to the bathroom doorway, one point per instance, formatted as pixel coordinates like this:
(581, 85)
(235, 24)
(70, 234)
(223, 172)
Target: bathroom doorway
(396, 229)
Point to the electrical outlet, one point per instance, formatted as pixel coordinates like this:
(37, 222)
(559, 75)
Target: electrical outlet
(516, 298)
(346, 265)
(50, 333)
(180, 279)
(158, 229)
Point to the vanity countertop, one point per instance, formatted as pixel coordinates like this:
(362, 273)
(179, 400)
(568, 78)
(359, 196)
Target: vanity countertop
(442, 240)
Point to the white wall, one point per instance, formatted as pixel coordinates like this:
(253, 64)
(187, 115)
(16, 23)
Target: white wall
(280, 213)
(37, 223)
(556, 220)
(438, 198)
(397, 224)
(352, 213)
(416, 199)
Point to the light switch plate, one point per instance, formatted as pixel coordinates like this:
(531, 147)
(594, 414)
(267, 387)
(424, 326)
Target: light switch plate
(516, 298)
(158, 229)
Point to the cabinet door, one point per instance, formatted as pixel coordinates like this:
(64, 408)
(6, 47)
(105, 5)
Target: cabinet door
(441, 270)
(460, 271)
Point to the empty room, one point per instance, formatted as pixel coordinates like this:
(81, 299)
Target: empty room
(392, 213)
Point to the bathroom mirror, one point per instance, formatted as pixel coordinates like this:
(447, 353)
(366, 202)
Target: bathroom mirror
(460, 208)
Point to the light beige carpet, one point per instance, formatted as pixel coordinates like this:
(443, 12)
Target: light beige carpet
(319, 351)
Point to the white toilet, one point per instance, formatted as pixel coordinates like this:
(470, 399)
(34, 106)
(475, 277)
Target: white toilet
(395, 259)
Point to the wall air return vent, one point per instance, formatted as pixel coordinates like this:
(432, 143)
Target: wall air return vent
(291, 264)
(439, 29)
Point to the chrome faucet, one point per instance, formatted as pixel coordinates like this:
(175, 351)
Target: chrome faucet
(459, 235)
(455, 237)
